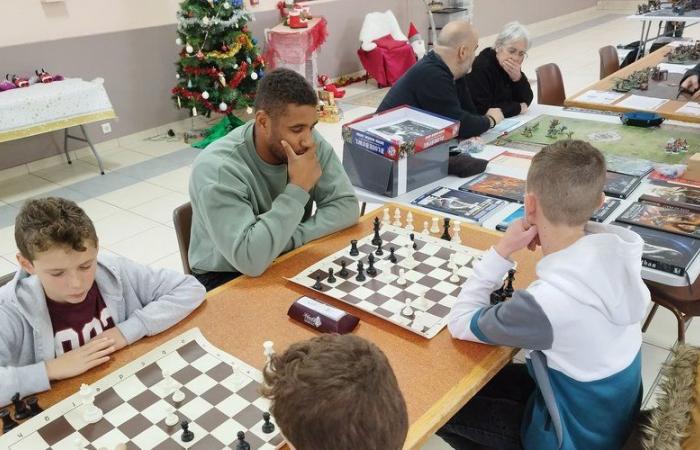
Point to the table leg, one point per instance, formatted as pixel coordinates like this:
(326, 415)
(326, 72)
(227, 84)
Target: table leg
(362, 208)
(642, 43)
(85, 139)
(65, 145)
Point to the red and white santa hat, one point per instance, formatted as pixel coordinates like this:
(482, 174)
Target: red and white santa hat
(413, 34)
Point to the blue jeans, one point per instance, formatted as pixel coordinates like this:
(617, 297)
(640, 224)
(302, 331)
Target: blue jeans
(493, 418)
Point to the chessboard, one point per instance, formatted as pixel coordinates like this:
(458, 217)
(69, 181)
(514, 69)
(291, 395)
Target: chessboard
(221, 398)
(415, 292)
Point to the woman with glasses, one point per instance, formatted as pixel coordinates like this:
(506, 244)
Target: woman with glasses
(496, 79)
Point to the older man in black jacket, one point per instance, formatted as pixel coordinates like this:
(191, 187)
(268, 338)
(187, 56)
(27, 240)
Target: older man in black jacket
(430, 84)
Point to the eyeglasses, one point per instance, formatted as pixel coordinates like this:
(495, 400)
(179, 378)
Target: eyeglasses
(515, 52)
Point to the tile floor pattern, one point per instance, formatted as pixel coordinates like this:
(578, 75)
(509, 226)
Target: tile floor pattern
(147, 172)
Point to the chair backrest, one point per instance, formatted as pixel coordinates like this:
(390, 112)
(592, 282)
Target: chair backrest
(379, 24)
(6, 278)
(550, 85)
(609, 62)
(182, 219)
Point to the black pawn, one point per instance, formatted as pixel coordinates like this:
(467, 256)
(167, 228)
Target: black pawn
(241, 444)
(446, 232)
(360, 272)
(268, 427)
(21, 410)
(379, 251)
(508, 291)
(331, 278)
(413, 239)
(187, 435)
(7, 422)
(343, 269)
(34, 408)
(392, 256)
(371, 271)
(377, 239)
(353, 248)
(317, 285)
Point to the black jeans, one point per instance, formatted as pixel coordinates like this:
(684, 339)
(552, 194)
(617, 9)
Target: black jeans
(211, 280)
(493, 418)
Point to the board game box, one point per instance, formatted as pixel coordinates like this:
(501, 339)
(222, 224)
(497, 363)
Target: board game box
(221, 398)
(628, 166)
(666, 252)
(604, 211)
(512, 160)
(620, 185)
(497, 186)
(662, 217)
(515, 215)
(421, 272)
(673, 195)
(468, 205)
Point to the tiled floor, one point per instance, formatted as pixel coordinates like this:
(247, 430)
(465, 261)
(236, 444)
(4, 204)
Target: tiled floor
(148, 172)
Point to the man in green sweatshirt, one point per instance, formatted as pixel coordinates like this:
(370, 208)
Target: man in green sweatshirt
(252, 191)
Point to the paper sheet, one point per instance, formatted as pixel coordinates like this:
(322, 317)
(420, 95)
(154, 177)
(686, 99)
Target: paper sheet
(508, 124)
(690, 108)
(641, 103)
(602, 97)
(676, 68)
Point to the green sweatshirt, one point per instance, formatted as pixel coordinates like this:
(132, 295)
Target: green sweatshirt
(245, 213)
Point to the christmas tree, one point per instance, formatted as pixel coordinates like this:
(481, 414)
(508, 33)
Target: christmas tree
(220, 63)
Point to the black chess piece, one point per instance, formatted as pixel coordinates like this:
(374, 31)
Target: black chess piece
(371, 270)
(343, 269)
(377, 238)
(446, 232)
(241, 443)
(413, 240)
(21, 410)
(34, 408)
(7, 422)
(508, 291)
(497, 296)
(268, 427)
(317, 285)
(353, 248)
(379, 251)
(331, 278)
(392, 256)
(187, 435)
(360, 272)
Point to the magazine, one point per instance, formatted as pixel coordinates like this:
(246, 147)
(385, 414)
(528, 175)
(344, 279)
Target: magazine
(471, 206)
(663, 217)
(679, 195)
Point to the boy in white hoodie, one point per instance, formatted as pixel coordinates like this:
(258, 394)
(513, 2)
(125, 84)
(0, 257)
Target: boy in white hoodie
(68, 309)
(581, 387)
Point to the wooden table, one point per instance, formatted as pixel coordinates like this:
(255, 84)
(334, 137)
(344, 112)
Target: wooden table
(437, 376)
(667, 110)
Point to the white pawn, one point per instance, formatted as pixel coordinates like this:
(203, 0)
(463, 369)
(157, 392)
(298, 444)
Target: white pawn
(421, 303)
(91, 413)
(409, 221)
(268, 350)
(451, 261)
(454, 278)
(408, 260)
(407, 310)
(418, 321)
(402, 277)
(426, 229)
(456, 227)
(434, 228)
(178, 396)
(386, 219)
(171, 418)
(397, 217)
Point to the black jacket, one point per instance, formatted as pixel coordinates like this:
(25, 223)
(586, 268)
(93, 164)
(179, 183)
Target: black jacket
(430, 86)
(491, 87)
(694, 71)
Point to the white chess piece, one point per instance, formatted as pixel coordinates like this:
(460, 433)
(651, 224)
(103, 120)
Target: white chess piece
(386, 219)
(434, 228)
(409, 221)
(171, 418)
(91, 413)
(408, 260)
(451, 261)
(418, 321)
(456, 228)
(397, 217)
(421, 303)
(407, 310)
(426, 229)
(178, 395)
(170, 384)
(454, 278)
(268, 350)
(402, 277)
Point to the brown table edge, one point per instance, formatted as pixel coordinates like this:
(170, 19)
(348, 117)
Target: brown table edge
(438, 414)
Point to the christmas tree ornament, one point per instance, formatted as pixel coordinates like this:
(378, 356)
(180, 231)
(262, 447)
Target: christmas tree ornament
(189, 48)
(223, 106)
(211, 2)
(178, 41)
(254, 76)
(200, 55)
(226, 5)
(205, 95)
(222, 79)
(235, 66)
(189, 84)
(224, 48)
(179, 103)
(177, 76)
(194, 111)
(206, 20)
(247, 59)
(249, 110)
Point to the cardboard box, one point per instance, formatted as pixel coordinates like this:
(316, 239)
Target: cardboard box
(397, 151)
(692, 172)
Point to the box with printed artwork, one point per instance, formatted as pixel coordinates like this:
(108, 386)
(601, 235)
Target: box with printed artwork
(399, 150)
